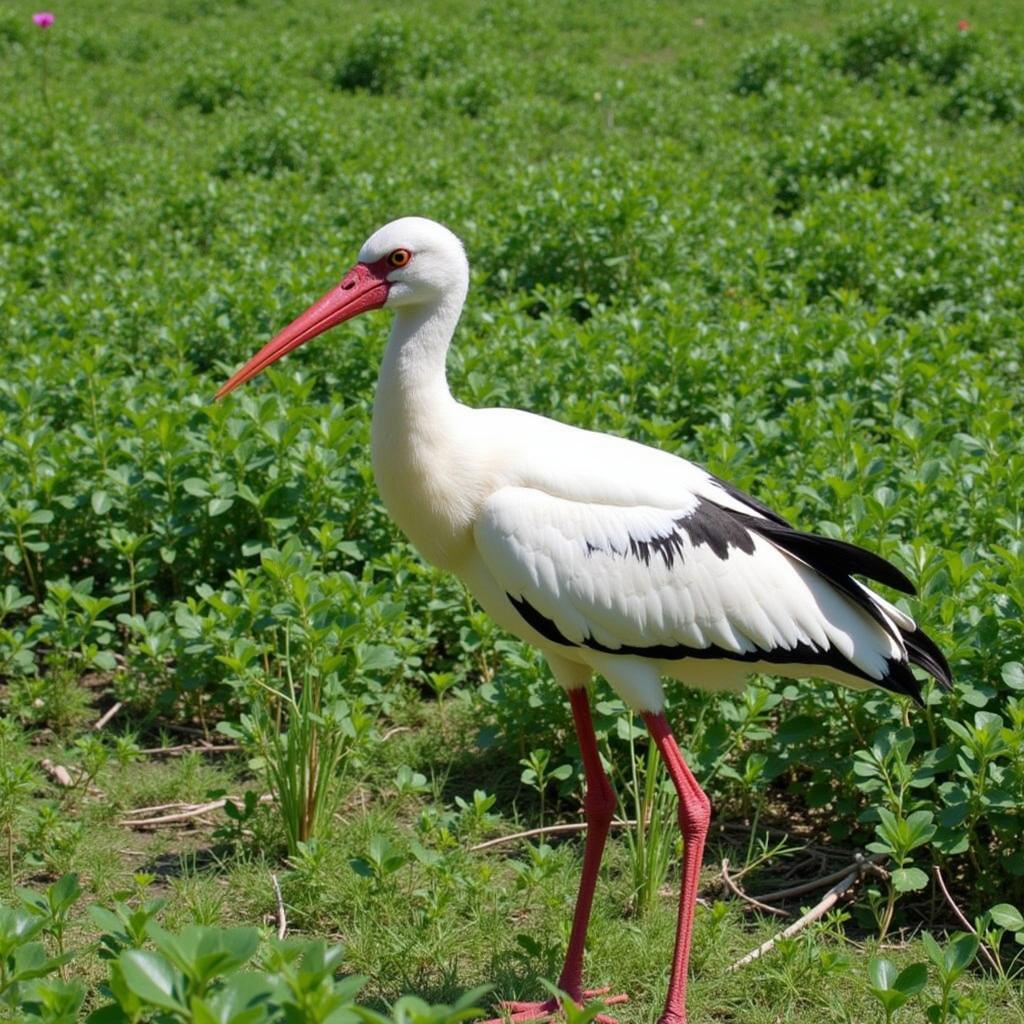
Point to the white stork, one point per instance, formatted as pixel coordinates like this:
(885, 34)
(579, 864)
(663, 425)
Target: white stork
(607, 555)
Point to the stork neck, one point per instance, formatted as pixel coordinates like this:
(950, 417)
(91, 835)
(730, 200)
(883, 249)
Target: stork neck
(412, 374)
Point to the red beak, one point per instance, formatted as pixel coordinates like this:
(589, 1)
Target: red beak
(362, 288)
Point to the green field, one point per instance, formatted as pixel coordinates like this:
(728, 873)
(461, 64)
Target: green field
(781, 241)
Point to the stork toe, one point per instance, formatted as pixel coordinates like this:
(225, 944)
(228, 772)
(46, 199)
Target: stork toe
(520, 1012)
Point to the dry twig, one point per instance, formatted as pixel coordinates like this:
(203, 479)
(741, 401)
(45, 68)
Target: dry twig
(819, 883)
(185, 748)
(820, 909)
(63, 777)
(57, 772)
(107, 716)
(188, 813)
(547, 830)
(158, 807)
(282, 921)
(963, 920)
(737, 891)
(188, 730)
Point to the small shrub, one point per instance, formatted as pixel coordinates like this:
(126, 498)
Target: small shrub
(595, 229)
(390, 53)
(137, 44)
(783, 60)
(947, 53)
(437, 54)
(893, 35)
(214, 86)
(280, 144)
(186, 11)
(13, 30)
(887, 33)
(93, 50)
(377, 60)
(991, 91)
(471, 95)
(858, 150)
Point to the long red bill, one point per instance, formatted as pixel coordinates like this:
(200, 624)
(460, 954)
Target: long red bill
(361, 289)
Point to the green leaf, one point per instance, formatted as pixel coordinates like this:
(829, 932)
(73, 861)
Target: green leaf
(64, 892)
(109, 1014)
(959, 953)
(920, 828)
(151, 977)
(882, 972)
(101, 502)
(107, 920)
(241, 999)
(912, 979)
(1007, 916)
(933, 949)
(194, 486)
(908, 880)
(362, 867)
(1013, 675)
(892, 999)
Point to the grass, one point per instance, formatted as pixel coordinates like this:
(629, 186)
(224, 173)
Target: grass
(780, 243)
(498, 917)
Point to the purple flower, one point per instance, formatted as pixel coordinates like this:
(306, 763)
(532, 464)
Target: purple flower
(44, 19)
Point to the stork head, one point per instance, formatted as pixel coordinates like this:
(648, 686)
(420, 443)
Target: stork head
(411, 262)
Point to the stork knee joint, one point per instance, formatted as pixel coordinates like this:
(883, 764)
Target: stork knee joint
(695, 816)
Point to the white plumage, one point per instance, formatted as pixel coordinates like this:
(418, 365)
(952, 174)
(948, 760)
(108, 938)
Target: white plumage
(608, 555)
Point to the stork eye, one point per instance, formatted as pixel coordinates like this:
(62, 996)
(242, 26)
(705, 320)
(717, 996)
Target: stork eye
(399, 258)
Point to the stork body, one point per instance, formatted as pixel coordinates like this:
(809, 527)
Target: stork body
(607, 555)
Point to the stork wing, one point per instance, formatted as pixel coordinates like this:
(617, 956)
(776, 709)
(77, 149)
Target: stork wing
(698, 581)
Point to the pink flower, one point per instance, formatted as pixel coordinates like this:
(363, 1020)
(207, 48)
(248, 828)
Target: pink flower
(44, 19)
(963, 25)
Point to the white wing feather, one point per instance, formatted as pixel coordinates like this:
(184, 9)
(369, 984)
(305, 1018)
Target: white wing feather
(581, 565)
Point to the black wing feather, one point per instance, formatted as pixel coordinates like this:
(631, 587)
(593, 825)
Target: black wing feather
(838, 561)
(922, 650)
(832, 558)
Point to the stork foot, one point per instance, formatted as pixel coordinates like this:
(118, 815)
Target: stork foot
(515, 1012)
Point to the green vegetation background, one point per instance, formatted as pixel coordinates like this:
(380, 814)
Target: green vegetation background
(781, 241)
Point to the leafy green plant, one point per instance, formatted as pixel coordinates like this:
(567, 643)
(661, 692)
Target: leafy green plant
(781, 246)
(301, 729)
(215, 85)
(54, 908)
(539, 774)
(864, 151)
(987, 89)
(950, 963)
(22, 959)
(781, 61)
(892, 34)
(897, 837)
(382, 859)
(126, 921)
(377, 59)
(413, 1010)
(993, 926)
(893, 988)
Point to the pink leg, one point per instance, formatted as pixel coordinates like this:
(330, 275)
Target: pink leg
(598, 808)
(694, 818)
